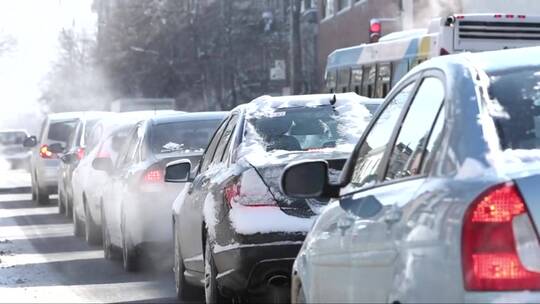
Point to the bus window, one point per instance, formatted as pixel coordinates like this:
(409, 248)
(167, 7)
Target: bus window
(356, 80)
(383, 80)
(399, 69)
(343, 80)
(331, 81)
(368, 84)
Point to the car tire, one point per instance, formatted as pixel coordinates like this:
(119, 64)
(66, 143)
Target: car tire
(91, 230)
(69, 205)
(78, 228)
(109, 251)
(211, 290)
(42, 197)
(184, 290)
(129, 257)
(61, 204)
(300, 296)
(34, 195)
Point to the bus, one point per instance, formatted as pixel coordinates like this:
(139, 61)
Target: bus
(372, 69)
(142, 104)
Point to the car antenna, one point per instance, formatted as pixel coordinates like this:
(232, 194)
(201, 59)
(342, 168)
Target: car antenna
(333, 100)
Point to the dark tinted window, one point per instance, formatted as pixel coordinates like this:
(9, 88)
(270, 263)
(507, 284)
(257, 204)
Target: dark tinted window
(209, 153)
(182, 136)
(61, 131)
(372, 150)
(225, 139)
(368, 86)
(383, 80)
(12, 138)
(518, 93)
(406, 157)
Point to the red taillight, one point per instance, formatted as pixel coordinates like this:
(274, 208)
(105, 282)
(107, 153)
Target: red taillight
(522, 16)
(497, 15)
(509, 16)
(460, 17)
(443, 52)
(80, 153)
(249, 192)
(45, 153)
(153, 176)
(489, 250)
(231, 193)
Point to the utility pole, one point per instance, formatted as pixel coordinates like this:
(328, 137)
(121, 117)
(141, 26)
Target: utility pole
(296, 79)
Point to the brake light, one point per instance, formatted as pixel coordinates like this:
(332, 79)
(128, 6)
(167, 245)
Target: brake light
(443, 52)
(511, 16)
(489, 247)
(248, 190)
(460, 17)
(498, 16)
(153, 176)
(45, 153)
(522, 16)
(80, 153)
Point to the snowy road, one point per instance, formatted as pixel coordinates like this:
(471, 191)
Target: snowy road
(40, 261)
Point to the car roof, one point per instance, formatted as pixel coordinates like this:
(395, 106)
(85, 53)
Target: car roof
(168, 118)
(75, 115)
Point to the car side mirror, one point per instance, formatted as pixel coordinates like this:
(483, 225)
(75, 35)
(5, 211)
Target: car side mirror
(69, 158)
(103, 164)
(364, 207)
(56, 148)
(30, 141)
(178, 171)
(307, 180)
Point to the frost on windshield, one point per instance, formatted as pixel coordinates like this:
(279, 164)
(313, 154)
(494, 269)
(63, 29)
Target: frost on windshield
(276, 126)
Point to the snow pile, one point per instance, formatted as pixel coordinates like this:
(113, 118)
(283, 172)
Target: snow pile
(250, 220)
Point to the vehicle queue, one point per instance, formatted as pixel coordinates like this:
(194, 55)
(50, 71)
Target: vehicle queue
(425, 196)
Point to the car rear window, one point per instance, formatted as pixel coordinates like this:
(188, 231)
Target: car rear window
(12, 138)
(61, 131)
(183, 136)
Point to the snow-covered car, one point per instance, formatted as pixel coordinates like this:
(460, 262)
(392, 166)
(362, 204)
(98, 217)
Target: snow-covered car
(235, 233)
(44, 163)
(136, 208)
(76, 147)
(84, 203)
(439, 200)
(12, 149)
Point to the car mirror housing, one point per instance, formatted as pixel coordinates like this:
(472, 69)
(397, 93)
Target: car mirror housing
(178, 171)
(103, 164)
(56, 148)
(30, 142)
(307, 179)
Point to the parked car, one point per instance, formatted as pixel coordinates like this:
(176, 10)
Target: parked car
(12, 150)
(52, 140)
(235, 233)
(76, 148)
(439, 200)
(106, 139)
(136, 208)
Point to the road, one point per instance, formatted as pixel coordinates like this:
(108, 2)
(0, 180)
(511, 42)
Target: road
(41, 260)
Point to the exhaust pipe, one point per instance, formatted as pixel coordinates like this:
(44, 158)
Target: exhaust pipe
(278, 280)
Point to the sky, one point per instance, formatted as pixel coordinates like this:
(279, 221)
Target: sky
(35, 25)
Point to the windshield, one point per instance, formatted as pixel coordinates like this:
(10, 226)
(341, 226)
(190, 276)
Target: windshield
(309, 128)
(12, 138)
(182, 136)
(518, 92)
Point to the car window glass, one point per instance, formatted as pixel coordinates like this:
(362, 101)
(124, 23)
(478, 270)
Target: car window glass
(434, 142)
(218, 156)
(372, 149)
(128, 151)
(406, 157)
(209, 153)
(369, 81)
(383, 80)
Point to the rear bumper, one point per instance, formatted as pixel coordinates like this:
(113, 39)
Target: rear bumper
(502, 297)
(250, 267)
(47, 174)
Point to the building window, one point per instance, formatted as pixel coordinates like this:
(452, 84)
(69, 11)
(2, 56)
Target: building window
(328, 8)
(342, 4)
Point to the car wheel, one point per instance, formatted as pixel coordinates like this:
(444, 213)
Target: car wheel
(42, 197)
(61, 203)
(184, 290)
(300, 296)
(69, 204)
(91, 231)
(34, 196)
(78, 229)
(129, 257)
(109, 251)
(211, 290)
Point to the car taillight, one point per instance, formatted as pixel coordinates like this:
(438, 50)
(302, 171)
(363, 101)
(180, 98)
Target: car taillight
(153, 176)
(45, 153)
(491, 261)
(80, 153)
(248, 190)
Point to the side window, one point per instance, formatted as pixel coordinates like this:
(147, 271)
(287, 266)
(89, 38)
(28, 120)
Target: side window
(218, 156)
(383, 80)
(434, 142)
(408, 151)
(368, 86)
(372, 149)
(129, 150)
(356, 80)
(343, 80)
(211, 149)
(331, 81)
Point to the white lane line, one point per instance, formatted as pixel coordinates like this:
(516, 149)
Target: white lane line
(36, 231)
(38, 258)
(27, 211)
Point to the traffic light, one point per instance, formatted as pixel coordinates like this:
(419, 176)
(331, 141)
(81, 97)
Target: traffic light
(374, 30)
